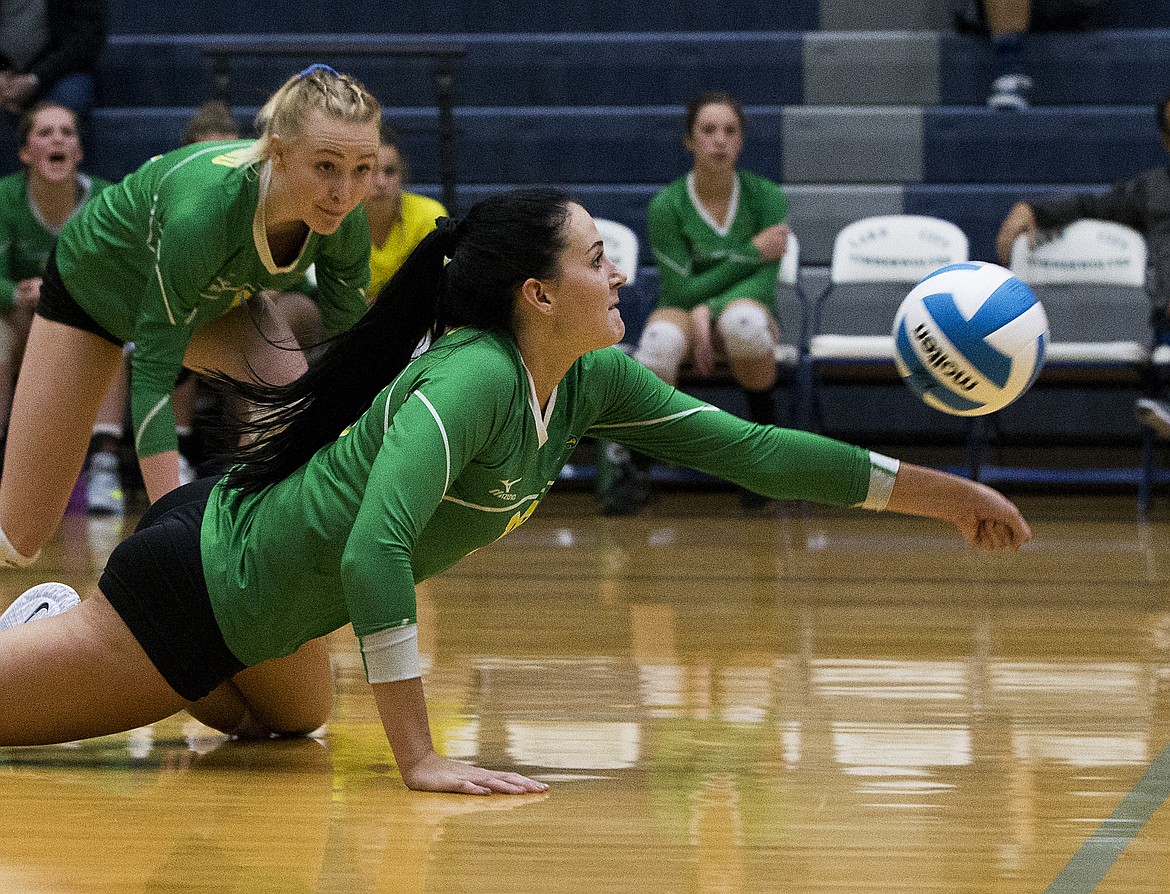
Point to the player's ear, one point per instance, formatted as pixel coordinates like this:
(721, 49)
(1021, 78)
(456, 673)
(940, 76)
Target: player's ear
(276, 150)
(534, 294)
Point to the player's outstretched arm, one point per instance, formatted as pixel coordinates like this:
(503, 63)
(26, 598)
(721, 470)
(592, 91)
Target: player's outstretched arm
(402, 707)
(983, 515)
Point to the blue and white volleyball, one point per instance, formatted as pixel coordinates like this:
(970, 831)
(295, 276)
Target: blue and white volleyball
(970, 338)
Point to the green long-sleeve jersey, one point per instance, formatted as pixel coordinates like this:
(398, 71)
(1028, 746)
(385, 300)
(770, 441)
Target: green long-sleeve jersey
(452, 455)
(176, 245)
(26, 237)
(701, 261)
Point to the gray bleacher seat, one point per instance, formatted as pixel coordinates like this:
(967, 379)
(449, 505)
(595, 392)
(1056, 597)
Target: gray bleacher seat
(819, 211)
(849, 68)
(852, 144)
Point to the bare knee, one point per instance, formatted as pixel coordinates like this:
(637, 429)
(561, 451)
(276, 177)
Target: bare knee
(298, 716)
(290, 696)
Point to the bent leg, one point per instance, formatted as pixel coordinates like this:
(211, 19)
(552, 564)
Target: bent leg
(252, 342)
(77, 675)
(65, 375)
(290, 696)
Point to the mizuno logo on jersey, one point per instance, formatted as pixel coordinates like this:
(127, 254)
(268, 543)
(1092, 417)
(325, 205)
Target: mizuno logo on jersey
(505, 493)
(220, 288)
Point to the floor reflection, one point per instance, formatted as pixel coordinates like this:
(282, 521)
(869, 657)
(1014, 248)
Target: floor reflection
(806, 703)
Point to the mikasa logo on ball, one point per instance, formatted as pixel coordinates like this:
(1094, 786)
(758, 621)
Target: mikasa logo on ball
(936, 357)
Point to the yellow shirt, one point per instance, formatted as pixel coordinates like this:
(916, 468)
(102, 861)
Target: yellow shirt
(418, 219)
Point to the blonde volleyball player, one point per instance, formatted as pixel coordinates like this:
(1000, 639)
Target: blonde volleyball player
(173, 259)
(207, 605)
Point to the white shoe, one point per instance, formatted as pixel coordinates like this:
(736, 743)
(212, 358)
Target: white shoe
(1009, 93)
(41, 601)
(1154, 414)
(103, 492)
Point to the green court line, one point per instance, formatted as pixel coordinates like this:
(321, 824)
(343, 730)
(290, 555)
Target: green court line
(1096, 857)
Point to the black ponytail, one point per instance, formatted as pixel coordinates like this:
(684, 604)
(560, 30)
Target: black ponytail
(504, 240)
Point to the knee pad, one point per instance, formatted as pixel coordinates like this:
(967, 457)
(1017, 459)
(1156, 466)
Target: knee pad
(746, 330)
(661, 349)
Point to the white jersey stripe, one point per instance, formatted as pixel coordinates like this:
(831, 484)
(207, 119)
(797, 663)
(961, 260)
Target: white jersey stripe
(147, 420)
(162, 289)
(509, 508)
(670, 418)
(443, 432)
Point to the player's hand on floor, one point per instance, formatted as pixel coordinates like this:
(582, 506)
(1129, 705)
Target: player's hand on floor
(441, 774)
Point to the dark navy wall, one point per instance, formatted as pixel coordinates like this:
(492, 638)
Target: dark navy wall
(444, 17)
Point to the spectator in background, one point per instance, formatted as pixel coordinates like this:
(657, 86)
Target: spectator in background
(34, 206)
(212, 122)
(50, 49)
(398, 219)
(1007, 23)
(1142, 203)
(718, 234)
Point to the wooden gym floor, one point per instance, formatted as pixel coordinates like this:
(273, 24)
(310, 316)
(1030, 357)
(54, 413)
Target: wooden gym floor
(800, 702)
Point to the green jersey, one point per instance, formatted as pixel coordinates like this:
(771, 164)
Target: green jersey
(452, 455)
(179, 243)
(702, 261)
(26, 238)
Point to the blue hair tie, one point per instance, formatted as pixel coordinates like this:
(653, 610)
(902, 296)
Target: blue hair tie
(318, 66)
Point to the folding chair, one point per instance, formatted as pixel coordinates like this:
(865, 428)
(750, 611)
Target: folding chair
(621, 245)
(1091, 279)
(875, 262)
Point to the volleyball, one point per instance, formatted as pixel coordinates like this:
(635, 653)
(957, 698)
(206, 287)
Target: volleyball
(970, 338)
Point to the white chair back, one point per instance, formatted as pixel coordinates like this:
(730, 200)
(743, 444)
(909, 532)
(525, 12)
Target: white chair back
(1086, 251)
(621, 245)
(1090, 277)
(790, 263)
(901, 248)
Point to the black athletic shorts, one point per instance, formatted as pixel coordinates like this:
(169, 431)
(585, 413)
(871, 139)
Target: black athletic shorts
(154, 580)
(58, 305)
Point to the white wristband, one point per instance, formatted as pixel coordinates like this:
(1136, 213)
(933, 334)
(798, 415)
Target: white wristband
(883, 470)
(391, 655)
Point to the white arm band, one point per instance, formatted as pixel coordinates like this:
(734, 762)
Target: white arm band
(391, 655)
(882, 472)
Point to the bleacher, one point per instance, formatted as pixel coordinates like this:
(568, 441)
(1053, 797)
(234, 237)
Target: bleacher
(857, 108)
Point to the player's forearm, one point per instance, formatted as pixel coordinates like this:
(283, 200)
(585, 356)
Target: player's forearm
(403, 708)
(160, 473)
(933, 494)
